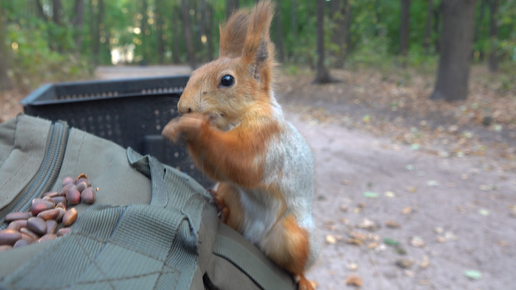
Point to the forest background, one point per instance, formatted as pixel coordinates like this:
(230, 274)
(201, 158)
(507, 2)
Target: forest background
(53, 40)
(389, 54)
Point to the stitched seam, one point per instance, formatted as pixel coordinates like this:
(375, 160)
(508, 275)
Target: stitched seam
(92, 261)
(129, 277)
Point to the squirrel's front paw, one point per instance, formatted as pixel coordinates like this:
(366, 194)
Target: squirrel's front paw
(187, 126)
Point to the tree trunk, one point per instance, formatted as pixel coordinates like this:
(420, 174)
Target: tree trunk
(231, 5)
(323, 75)
(98, 27)
(493, 35)
(57, 9)
(202, 26)
(340, 31)
(479, 27)
(175, 37)
(78, 22)
(437, 23)
(187, 32)
(39, 9)
(456, 45)
(404, 28)
(5, 80)
(428, 28)
(206, 24)
(209, 33)
(293, 17)
(159, 32)
(93, 29)
(279, 34)
(145, 32)
(347, 24)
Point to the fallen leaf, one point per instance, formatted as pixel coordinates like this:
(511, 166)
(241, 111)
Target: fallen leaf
(406, 210)
(331, 239)
(314, 284)
(441, 239)
(425, 263)
(424, 282)
(346, 182)
(344, 221)
(380, 248)
(400, 250)
(483, 212)
(372, 245)
(353, 280)
(464, 176)
(412, 189)
(355, 241)
(453, 128)
(357, 235)
(368, 225)
(344, 208)
(438, 230)
(392, 224)
(389, 194)
(409, 273)
(352, 266)
(449, 236)
(404, 263)
(432, 183)
(417, 241)
(473, 274)
(502, 243)
(390, 242)
(370, 194)
(361, 205)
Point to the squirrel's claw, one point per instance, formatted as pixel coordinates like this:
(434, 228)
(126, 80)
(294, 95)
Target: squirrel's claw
(223, 210)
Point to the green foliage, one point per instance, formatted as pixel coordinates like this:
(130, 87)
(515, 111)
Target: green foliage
(373, 34)
(34, 62)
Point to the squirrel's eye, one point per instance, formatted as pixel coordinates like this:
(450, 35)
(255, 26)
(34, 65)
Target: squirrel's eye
(227, 81)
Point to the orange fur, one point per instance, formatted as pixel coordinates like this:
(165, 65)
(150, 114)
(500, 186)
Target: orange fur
(233, 34)
(231, 199)
(288, 246)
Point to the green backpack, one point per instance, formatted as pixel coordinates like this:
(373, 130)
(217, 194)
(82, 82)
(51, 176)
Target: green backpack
(151, 227)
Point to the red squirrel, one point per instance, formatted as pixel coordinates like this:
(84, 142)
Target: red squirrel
(236, 133)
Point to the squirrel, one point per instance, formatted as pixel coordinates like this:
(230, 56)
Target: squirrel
(236, 133)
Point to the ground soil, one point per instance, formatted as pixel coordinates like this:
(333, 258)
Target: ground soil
(449, 192)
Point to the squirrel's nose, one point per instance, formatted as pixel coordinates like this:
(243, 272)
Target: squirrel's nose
(184, 108)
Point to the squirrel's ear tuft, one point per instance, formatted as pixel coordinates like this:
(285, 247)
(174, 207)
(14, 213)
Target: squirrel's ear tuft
(233, 34)
(258, 50)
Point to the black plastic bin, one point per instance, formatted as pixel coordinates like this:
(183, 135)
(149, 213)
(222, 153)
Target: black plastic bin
(129, 112)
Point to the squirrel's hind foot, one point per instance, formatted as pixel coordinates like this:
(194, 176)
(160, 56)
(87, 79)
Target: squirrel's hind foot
(223, 210)
(303, 283)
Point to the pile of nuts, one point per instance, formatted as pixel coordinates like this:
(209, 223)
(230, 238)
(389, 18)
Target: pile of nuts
(41, 222)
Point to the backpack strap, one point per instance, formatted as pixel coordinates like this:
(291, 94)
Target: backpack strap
(248, 258)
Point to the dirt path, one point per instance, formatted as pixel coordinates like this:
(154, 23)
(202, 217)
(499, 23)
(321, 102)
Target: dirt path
(459, 208)
(454, 214)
